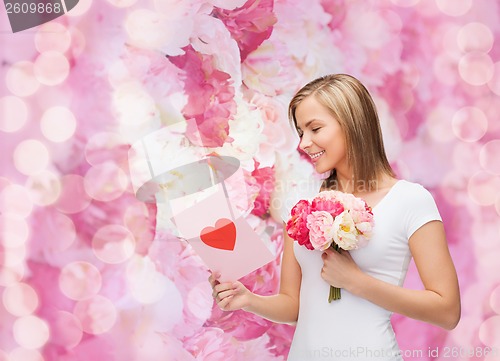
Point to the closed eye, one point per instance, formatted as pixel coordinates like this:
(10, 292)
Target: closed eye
(315, 129)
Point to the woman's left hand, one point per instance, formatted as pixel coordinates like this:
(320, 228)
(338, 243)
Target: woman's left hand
(339, 269)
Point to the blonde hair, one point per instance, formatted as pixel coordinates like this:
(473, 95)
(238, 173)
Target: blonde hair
(351, 104)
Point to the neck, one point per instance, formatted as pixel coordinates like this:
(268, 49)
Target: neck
(345, 182)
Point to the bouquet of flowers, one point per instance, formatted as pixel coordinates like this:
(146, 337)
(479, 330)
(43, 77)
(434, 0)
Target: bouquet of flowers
(331, 219)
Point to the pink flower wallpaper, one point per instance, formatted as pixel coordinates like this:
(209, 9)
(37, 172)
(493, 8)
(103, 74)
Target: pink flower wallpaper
(91, 272)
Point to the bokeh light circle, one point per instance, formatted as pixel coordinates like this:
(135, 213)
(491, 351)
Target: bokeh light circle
(454, 7)
(14, 114)
(14, 230)
(31, 156)
(20, 299)
(489, 332)
(21, 80)
(51, 68)
(22, 354)
(483, 188)
(52, 36)
(476, 68)
(15, 201)
(113, 244)
(66, 330)
(80, 280)
(469, 124)
(475, 37)
(58, 124)
(73, 198)
(31, 332)
(97, 315)
(489, 156)
(105, 182)
(14, 256)
(44, 188)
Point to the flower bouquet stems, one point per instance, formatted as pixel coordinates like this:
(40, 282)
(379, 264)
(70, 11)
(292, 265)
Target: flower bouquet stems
(334, 291)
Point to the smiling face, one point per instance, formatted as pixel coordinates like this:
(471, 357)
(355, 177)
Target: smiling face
(321, 136)
(340, 128)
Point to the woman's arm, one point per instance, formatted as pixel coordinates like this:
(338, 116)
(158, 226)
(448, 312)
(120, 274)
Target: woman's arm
(282, 307)
(438, 303)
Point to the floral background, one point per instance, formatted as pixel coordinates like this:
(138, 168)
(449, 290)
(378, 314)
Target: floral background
(89, 272)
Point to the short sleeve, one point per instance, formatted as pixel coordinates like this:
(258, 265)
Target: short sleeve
(422, 209)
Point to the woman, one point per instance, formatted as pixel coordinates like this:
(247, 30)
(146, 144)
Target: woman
(339, 128)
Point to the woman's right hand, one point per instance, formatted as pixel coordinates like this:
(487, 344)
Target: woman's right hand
(229, 296)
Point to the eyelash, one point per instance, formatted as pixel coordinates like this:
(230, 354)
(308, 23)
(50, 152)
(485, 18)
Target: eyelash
(314, 130)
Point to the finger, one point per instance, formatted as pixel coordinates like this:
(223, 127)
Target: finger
(214, 283)
(347, 254)
(224, 304)
(213, 277)
(224, 294)
(221, 287)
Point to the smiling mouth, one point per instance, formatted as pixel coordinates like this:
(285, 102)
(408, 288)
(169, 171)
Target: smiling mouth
(316, 155)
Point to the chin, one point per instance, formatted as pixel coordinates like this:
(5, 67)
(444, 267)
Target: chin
(321, 169)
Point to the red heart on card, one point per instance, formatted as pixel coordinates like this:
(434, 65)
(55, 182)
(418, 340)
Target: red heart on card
(222, 236)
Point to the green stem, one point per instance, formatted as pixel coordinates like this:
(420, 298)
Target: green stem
(334, 291)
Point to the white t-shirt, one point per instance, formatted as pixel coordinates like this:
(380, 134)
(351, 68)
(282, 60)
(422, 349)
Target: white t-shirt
(353, 328)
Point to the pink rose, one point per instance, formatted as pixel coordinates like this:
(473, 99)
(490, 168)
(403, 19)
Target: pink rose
(320, 224)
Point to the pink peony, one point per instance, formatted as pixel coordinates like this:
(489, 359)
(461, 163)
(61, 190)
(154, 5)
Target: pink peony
(250, 24)
(297, 224)
(345, 234)
(320, 224)
(352, 202)
(210, 99)
(331, 206)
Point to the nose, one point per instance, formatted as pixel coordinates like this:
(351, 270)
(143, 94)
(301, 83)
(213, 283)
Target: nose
(305, 142)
